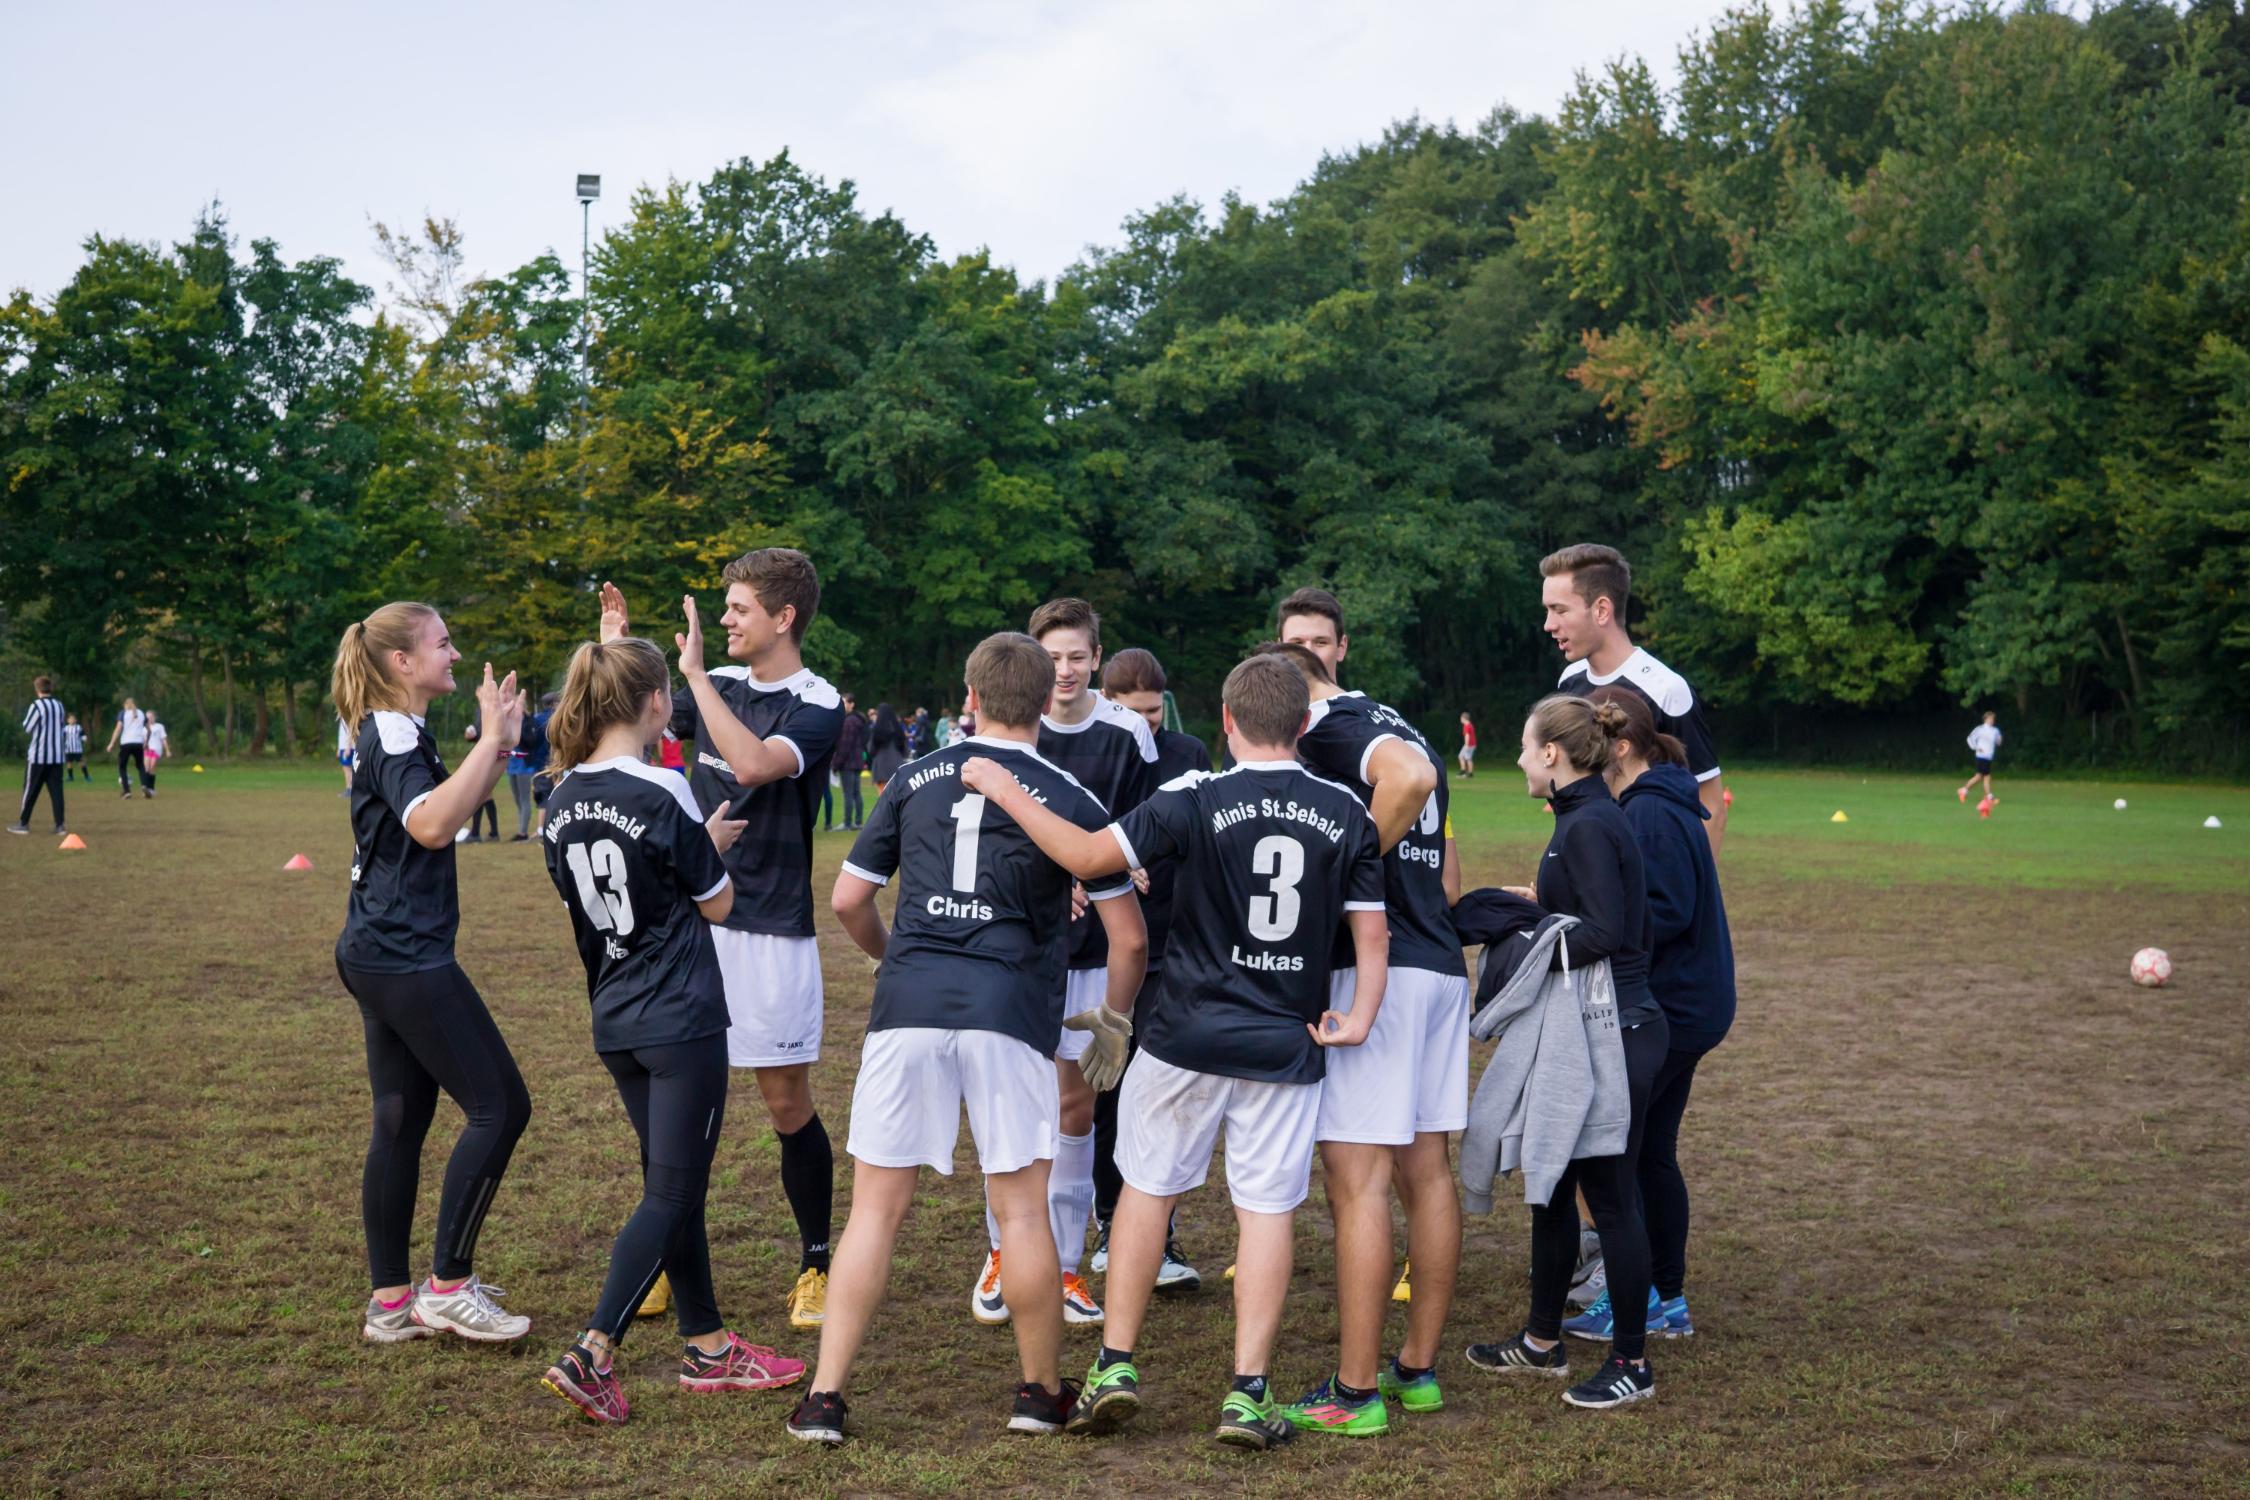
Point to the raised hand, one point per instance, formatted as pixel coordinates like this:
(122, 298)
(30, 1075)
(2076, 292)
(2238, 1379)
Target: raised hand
(690, 643)
(499, 717)
(615, 622)
(511, 712)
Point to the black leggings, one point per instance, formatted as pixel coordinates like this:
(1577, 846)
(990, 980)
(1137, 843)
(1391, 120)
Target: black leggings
(34, 778)
(1664, 1195)
(854, 812)
(1614, 1196)
(428, 1031)
(677, 1098)
(129, 765)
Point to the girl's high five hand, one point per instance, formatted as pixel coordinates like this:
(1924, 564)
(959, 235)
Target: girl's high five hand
(614, 620)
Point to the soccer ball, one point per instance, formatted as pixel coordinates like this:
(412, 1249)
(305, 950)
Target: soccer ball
(2119, 804)
(2152, 968)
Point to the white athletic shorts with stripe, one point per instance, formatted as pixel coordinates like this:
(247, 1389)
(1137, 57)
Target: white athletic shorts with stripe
(914, 1080)
(1168, 1120)
(1411, 1075)
(1083, 989)
(773, 997)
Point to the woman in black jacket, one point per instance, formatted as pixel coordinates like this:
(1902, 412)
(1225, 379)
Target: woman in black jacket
(1591, 871)
(886, 746)
(1691, 973)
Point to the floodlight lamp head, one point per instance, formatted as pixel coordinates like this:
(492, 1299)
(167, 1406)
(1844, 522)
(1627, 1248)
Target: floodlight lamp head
(589, 186)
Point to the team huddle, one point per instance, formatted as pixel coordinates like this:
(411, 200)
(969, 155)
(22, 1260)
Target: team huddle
(1109, 956)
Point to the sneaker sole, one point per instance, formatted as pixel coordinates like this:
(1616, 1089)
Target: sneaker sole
(831, 1436)
(738, 1383)
(1256, 1440)
(1076, 1318)
(562, 1385)
(1557, 1372)
(442, 1324)
(1111, 1411)
(406, 1335)
(1570, 1400)
(1587, 1334)
(1035, 1426)
(988, 1319)
(1345, 1430)
(804, 1320)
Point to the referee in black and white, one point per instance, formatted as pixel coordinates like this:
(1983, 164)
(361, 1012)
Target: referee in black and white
(43, 754)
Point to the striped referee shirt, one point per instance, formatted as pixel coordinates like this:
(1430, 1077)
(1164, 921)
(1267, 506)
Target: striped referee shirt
(43, 728)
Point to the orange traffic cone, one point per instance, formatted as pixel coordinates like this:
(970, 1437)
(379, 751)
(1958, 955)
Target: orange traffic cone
(1984, 808)
(298, 862)
(71, 841)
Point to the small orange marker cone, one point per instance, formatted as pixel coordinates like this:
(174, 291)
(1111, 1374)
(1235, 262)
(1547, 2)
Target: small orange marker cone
(1726, 796)
(71, 841)
(1984, 808)
(298, 862)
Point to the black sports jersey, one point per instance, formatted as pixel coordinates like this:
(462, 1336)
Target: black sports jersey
(630, 857)
(405, 904)
(1110, 753)
(1268, 857)
(771, 863)
(1338, 741)
(1176, 755)
(980, 934)
(1679, 713)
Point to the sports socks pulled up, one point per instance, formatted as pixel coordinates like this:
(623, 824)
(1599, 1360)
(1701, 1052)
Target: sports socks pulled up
(808, 1179)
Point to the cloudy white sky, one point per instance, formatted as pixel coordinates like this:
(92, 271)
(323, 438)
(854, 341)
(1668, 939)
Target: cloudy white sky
(1030, 128)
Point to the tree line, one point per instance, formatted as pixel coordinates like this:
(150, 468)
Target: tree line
(1905, 350)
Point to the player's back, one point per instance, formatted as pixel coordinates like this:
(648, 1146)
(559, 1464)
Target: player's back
(1112, 754)
(978, 939)
(1269, 858)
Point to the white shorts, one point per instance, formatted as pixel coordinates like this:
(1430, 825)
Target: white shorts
(913, 1081)
(1083, 989)
(1168, 1120)
(1411, 1075)
(773, 997)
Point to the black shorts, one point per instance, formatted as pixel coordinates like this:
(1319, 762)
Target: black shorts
(1984, 765)
(74, 757)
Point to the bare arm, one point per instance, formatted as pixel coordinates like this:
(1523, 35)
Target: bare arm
(1087, 854)
(752, 761)
(1450, 873)
(1713, 796)
(1128, 948)
(445, 811)
(1371, 953)
(1403, 779)
(716, 905)
(853, 902)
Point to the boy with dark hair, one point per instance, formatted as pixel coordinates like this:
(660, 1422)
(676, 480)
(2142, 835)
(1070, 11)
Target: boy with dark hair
(1270, 861)
(43, 754)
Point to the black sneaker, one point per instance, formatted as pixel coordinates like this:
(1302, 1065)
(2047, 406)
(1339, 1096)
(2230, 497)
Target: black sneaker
(1616, 1383)
(1515, 1357)
(819, 1418)
(19, 828)
(1041, 1410)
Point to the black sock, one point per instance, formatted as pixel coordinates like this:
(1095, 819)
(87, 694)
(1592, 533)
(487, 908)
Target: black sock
(1109, 1356)
(1253, 1386)
(1350, 1394)
(1408, 1372)
(808, 1177)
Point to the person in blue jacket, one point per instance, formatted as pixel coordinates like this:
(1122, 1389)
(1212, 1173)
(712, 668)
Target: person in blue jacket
(1691, 973)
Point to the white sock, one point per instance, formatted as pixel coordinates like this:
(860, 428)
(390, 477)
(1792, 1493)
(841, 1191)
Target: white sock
(1070, 1197)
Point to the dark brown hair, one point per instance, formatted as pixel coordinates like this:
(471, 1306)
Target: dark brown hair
(45, 684)
(1596, 572)
(1133, 670)
(1304, 658)
(1268, 698)
(1067, 614)
(1653, 746)
(1012, 677)
(782, 578)
(1311, 601)
(1585, 731)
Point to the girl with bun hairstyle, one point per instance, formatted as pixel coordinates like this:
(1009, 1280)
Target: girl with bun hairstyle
(1592, 871)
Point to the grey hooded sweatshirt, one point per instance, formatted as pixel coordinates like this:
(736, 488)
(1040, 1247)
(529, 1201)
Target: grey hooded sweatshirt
(1555, 1089)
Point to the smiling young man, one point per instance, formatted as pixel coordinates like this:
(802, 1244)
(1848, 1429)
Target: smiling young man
(1108, 750)
(1583, 592)
(1390, 1105)
(764, 729)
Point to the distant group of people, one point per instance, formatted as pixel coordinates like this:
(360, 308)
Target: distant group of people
(875, 744)
(55, 747)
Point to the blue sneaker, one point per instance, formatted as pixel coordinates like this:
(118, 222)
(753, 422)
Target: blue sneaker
(1599, 1322)
(1677, 1324)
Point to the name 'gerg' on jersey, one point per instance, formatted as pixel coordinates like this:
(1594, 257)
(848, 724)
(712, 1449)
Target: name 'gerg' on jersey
(1269, 857)
(979, 936)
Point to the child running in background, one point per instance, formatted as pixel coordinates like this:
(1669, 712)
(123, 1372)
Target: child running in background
(1984, 743)
(1466, 756)
(158, 746)
(638, 868)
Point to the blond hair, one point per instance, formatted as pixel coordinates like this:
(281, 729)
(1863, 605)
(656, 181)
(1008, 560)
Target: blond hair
(605, 686)
(1585, 731)
(361, 680)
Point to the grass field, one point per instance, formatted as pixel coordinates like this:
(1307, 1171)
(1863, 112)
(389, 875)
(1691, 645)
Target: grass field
(1970, 1215)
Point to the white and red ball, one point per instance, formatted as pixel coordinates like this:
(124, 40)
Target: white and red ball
(2152, 967)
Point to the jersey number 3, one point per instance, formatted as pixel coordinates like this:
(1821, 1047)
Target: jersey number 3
(606, 904)
(1273, 915)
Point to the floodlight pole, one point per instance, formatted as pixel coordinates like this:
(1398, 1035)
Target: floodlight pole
(589, 188)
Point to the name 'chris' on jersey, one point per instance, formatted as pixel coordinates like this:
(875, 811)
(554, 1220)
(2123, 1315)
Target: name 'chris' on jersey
(1269, 858)
(630, 857)
(979, 937)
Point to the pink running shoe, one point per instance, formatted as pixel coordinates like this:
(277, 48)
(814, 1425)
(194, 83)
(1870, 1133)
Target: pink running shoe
(739, 1367)
(589, 1387)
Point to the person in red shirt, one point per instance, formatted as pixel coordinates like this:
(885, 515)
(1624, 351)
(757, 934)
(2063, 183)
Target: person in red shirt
(1466, 756)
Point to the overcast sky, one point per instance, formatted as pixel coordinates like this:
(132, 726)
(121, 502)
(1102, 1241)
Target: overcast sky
(1030, 128)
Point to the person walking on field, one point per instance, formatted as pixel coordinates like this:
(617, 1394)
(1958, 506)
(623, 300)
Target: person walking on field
(1466, 756)
(1984, 743)
(153, 752)
(426, 1027)
(128, 737)
(43, 754)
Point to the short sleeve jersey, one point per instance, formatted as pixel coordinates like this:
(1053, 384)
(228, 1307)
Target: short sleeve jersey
(132, 727)
(630, 857)
(1110, 753)
(74, 739)
(1983, 741)
(405, 903)
(1269, 858)
(772, 862)
(1176, 755)
(1341, 738)
(1677, 710)
(982, 927)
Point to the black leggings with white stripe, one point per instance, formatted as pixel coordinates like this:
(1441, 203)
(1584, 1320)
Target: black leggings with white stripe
(677, 1098)
(428, 1031)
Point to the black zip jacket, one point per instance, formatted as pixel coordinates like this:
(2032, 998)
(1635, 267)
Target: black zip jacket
(1691, 966)
(1592, 871)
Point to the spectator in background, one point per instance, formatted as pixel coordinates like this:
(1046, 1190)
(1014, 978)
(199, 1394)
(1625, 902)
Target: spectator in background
(946, 732)
(886, 746)
(1466, 756)
(491, 808)
(43, 754)
(851, 759)
(519, 777)
(535, 736)
(74, 749)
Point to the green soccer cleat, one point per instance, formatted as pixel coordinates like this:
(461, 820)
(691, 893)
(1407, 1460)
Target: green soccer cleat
(1258, 1425)
(1109, 1399)
(1421, 1394)
(1323, 1411)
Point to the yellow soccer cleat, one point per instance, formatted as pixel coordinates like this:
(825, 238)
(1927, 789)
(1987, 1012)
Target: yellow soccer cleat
(658, 1302)
(1404, 1291)
(808, 1299)
(1230, 1273)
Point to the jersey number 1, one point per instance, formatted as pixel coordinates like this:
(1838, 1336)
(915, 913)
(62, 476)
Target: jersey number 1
(607, 906)
(968, 822)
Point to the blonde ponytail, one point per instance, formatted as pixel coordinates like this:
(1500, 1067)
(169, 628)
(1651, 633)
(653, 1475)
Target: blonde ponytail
(605, 686)
(361, 680)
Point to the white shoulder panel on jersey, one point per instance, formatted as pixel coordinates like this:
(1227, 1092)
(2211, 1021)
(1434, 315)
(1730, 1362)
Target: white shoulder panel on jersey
(1316, 712)
(1186, 779)
(1577, 668)
(1666, 688)
(816, 690)
(1339, 786)
(1110, 711)
(672, 782)
(734, 673)
(398, 731)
